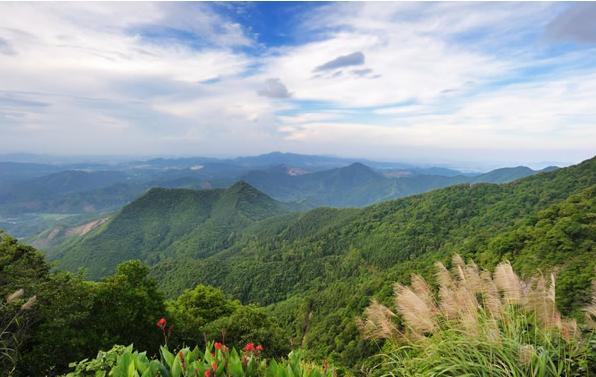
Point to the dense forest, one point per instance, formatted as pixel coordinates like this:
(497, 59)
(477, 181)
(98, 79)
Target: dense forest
(237, 260)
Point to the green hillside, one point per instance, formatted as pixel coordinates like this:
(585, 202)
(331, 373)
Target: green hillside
(319, 269)
(162, 222)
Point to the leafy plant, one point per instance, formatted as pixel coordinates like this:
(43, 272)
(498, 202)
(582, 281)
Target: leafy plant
(216, 360)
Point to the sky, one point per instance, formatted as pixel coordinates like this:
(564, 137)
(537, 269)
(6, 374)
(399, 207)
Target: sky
(430, 82)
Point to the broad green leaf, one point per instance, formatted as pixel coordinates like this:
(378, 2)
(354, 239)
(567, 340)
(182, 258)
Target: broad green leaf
(167, 356)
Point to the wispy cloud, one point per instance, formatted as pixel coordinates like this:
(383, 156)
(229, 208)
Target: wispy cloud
(355, 58)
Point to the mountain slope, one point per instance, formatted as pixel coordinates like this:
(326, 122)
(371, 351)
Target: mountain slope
(148, 227)
(320, 269)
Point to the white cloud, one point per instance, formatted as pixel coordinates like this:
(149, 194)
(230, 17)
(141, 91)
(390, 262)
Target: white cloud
(183, 78)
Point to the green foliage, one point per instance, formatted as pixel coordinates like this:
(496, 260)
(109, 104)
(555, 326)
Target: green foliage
(124, 362)
(194, 309)
(250, 324)
(127, 305)
(317, 270)
(78, 317)
(101, 366)
(169, 222)
(204, 313)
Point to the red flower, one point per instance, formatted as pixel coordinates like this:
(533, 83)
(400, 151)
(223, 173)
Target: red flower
(218, 345)
(208, 373)
(162, 323)
(214, 366)
(259, 348)
(249, 347)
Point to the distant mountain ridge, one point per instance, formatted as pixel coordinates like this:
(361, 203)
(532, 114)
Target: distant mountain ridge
(35, 197)
(359, 185)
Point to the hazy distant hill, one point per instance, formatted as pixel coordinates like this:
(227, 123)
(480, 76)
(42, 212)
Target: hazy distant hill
(35, 197)
(358, 185)
(505, 175)
(12, 172)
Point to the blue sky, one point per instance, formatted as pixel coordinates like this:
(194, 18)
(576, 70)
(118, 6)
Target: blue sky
(454, 83)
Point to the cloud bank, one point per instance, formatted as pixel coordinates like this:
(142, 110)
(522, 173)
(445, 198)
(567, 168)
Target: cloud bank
(402, 81)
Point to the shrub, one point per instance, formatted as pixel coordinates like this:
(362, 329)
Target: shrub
(480, 325)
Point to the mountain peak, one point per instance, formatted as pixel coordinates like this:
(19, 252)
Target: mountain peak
(241, 186)
(359, 165)
(358, 169)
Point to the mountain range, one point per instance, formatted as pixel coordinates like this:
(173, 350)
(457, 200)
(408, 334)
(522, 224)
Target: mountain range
(35, 197)
(318, 269)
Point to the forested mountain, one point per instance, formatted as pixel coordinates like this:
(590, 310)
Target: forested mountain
(319, 269)
(164, 222)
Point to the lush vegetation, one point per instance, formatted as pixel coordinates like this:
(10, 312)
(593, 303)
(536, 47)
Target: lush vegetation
(216, 360)
(319, 269)
(312, 273)
(479, 324)
(163, 222)
(44, 312)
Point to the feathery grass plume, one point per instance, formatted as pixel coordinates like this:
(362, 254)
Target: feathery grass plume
(423, 291)
(468, 309)
(15, 296)
(443, 276)
(447, 302)
(509, 283)
(482, 324)
(379, 322)
(416, 311)
(490, 295)
(473, 281)
(526, 352)
(541, 301)
(458, 261)
(29, 304)
(590, 310)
